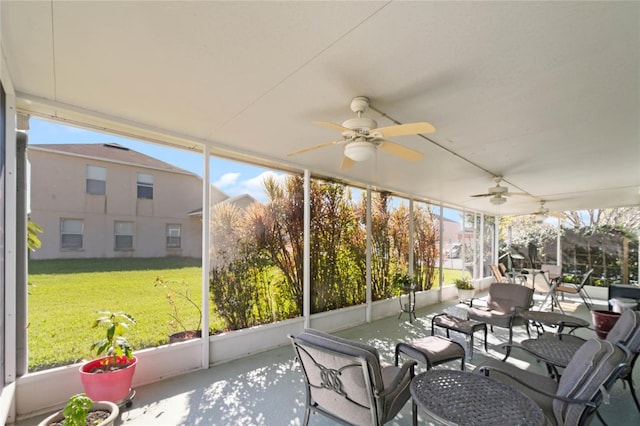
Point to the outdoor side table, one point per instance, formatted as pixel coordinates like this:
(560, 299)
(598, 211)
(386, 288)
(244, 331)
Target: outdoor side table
(462, 398)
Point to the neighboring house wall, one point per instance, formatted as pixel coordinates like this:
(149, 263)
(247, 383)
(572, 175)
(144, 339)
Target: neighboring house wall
(58, 191)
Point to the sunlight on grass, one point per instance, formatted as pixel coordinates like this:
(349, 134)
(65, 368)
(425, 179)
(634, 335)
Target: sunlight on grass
(65, 297)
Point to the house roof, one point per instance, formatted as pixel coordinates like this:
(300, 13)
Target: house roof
(112, 152)
(545, 94)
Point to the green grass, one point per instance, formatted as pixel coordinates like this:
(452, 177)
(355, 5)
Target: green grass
(66, 295)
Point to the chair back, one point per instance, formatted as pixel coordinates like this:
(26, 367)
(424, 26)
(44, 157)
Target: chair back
(553, 271)
(498, 274)
(344, 378)
(595, 366)
(504, 298)
(585, 278)
(627, 331)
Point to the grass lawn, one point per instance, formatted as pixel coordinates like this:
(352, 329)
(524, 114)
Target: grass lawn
(66, 295)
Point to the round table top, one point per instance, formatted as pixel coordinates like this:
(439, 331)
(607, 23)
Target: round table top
(554, 318)
(465, 398)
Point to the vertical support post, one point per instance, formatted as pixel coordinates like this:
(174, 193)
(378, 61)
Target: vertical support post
(368, 256)
(440, 256)
(411, 231)
(206, 261)
(306, 267)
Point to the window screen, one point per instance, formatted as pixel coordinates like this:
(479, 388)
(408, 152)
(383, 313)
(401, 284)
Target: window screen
(71, 231)
(123, 235)
(96, 180)
(173, 236)
(145, 186)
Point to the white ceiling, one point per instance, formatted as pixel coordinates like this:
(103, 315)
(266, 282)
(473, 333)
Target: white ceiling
(546, 94)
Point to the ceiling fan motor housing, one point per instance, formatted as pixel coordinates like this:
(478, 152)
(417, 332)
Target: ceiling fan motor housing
(498, 190)
(360, 124)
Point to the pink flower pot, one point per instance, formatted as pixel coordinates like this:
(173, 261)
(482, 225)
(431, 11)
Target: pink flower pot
(111, 386)
(603, 321)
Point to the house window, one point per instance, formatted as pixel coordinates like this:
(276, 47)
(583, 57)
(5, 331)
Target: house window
(71, 231)
(124, 235)
(173, 236)
(145, 186)
(96, 180)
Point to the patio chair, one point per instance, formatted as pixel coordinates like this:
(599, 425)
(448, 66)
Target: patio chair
(497, 274)
(573, 400)
(571, 288)
(346, 382)
(502, 304)
(556, 351)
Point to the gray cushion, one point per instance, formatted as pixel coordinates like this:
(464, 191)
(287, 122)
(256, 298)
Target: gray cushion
(354, 375)
(591, 366)
(625, 328)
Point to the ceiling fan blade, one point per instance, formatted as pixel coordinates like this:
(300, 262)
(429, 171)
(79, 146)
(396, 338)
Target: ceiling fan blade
(482, 195)
(347, 163)
(310, 148)
(400, 151)
(405, 129)
(517, 194)
(333, 126)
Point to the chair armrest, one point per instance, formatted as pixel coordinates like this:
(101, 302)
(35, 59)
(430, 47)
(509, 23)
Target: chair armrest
(407, 366)
(486, 369)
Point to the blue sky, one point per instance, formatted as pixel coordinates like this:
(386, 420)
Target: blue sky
(233, 178)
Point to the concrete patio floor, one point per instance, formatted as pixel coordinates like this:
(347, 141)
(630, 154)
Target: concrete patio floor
(267, 388)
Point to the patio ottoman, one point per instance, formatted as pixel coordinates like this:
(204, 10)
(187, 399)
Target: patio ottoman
(431, 351)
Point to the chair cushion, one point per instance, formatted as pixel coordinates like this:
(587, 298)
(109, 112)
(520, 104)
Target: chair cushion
(592, 365)
(504, 297)
(625, 328)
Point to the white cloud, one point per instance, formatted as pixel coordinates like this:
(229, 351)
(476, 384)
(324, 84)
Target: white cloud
(255, 185)
(227, 180)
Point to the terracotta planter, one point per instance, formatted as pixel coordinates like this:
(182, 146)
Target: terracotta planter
(97, 405)
(111, 386)
(603, 321)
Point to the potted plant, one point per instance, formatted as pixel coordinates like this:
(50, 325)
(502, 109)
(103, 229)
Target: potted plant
(82, 411)
(180, 290)
(465, 289)
(109, 377)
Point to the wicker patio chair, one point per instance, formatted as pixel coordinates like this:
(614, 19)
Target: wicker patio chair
(573, 400)
(346, 382)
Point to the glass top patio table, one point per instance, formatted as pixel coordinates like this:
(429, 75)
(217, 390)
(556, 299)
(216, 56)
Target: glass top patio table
(460, 397)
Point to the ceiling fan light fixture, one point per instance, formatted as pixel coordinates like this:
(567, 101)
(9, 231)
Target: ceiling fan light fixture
(497, 200)
(359, 150)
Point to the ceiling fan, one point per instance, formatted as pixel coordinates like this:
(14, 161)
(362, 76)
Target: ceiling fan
(362, 137)
(544, 212)
(499, 193)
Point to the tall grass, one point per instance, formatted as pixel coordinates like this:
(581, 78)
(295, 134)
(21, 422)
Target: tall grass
(66, 295)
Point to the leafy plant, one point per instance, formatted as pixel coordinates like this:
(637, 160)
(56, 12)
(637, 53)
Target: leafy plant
(77, 409)
(179, 290)
(463, 283)
(402, 281)
(115, 345)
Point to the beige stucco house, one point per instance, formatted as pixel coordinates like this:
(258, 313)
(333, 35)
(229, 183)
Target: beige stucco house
(105, 200)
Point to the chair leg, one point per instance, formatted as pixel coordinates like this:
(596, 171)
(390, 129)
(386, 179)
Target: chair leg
(633, 390)
(414, 411)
